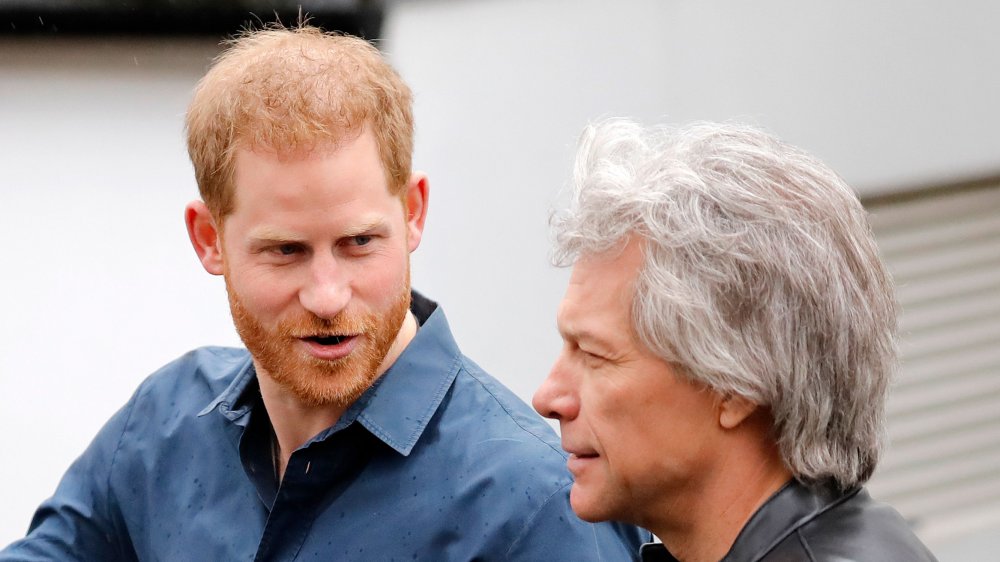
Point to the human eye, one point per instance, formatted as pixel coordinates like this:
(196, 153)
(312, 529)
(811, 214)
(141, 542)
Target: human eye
(287, 249)
(591, 358)
(280, 252)
(359, 244)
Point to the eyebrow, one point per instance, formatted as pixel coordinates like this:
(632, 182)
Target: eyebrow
(577, 334)
(588, 338)
(365, 228)
(268, 234)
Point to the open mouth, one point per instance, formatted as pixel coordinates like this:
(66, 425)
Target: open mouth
(581, 453)
(327, 340)
(577, 463)
(330, 347)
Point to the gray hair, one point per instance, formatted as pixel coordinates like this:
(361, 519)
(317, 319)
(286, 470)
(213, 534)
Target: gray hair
(761, 278)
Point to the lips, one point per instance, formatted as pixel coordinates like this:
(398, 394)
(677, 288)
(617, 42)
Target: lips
(578, 450)
(329, 346)
(580, 457)
(578, 462)
(327, 340)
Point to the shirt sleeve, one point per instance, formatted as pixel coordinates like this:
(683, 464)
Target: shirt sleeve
(554, 532)
(81, 521)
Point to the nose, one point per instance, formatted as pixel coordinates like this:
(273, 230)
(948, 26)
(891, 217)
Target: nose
(556, 398)
(328, 290)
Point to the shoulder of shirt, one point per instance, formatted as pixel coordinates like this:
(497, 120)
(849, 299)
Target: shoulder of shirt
(495, 436)
(858, 529)
(483, 430)
(515, 417)
(494, 428)
(191, 381)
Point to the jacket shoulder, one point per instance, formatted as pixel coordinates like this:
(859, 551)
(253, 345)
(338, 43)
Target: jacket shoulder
(859, 529)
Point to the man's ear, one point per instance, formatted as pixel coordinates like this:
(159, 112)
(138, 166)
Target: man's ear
(417, 194)
(734, 410)
(204, 235)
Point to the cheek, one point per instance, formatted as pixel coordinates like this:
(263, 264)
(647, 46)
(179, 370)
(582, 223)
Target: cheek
(263, 293)
(381, 278)
(612, 417)
(632, 425)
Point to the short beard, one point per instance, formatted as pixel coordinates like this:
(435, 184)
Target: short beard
(320, 382)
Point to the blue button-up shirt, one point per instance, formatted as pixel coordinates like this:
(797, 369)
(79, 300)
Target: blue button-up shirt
(436, 461)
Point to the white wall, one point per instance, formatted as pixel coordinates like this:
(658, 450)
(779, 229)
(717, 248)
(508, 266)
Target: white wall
(99, 286)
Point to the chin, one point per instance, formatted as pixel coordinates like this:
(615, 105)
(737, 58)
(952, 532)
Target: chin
(587, 507)
(324, 389)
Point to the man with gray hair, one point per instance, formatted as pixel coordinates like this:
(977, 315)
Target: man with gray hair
(730, 337)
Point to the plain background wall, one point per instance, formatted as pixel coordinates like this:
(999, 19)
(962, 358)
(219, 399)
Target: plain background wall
(100, 287)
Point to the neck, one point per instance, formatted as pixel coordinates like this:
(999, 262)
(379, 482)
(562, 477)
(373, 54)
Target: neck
(704, 524)
(295, 422)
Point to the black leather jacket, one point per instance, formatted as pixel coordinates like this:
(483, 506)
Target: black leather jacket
(819, 525)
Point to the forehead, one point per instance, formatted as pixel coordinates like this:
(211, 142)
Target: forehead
(353, 152)
(600, 292)
(326, 177)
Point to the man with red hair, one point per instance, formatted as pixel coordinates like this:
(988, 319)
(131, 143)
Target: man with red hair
(352, 427)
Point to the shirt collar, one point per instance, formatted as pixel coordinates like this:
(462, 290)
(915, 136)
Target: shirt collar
(398, 407)
(401, 404)
(655, 552)
(231, 401)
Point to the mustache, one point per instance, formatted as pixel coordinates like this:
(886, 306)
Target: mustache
(307, 324)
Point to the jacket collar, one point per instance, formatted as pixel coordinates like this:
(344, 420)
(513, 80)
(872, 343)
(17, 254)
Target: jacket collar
(788, 509)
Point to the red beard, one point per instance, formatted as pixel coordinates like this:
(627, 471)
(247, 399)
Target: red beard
(320, 382)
